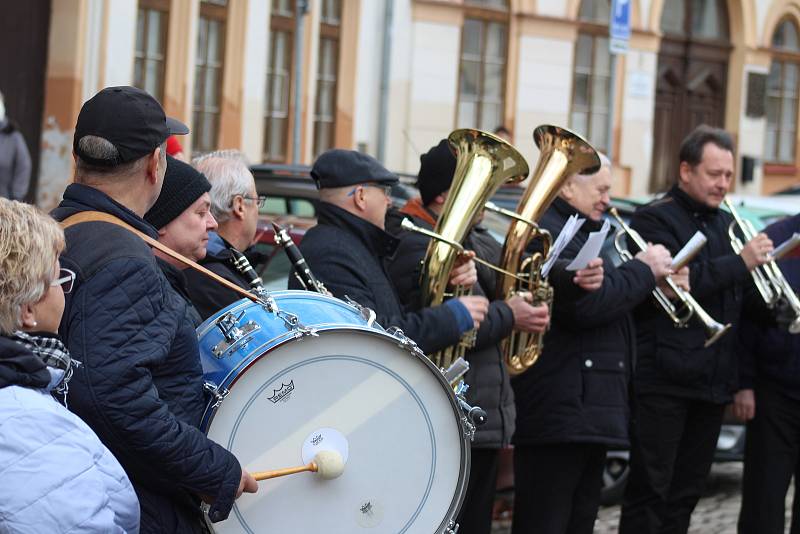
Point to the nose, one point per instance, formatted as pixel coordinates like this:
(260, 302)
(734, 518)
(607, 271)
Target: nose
(211, 223)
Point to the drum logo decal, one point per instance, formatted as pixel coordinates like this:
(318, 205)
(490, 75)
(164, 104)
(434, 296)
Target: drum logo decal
(366, 508)
(283, 393)
(316, 440)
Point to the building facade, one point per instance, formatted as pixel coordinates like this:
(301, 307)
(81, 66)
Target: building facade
(392, 77)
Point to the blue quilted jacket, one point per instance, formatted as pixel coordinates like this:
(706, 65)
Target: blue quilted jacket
(140, 387)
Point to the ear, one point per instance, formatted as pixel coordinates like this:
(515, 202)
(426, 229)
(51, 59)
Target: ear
(684, 172)
(237, 207)
(440, 199)
(162, 232)
(360, 199)
(568, 190)
(152, 165)
(27, 317)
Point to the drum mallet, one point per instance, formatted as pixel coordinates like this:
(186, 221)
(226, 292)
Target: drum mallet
(328, 464)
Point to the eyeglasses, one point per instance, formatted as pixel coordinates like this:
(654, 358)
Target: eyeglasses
(386, 188)
(66, 279)
(260, 200)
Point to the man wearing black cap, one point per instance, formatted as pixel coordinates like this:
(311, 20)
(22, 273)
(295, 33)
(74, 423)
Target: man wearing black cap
(140, 385)
(487, 377)
(182, 216)
(347, 248)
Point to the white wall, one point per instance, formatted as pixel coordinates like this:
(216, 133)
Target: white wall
(638, 108)
(121, 44)
(255, 78)
(368, 75)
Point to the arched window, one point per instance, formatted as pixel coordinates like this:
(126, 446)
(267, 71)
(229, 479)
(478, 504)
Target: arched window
(698, 19)
(782, 94)
(482, 69)
(591, 85)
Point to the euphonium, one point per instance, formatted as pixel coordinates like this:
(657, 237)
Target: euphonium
(562, 153)
(483, 163)
(768, 278)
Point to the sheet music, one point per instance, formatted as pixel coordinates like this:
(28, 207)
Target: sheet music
(571, 228)
(591, 249)
(696, 242)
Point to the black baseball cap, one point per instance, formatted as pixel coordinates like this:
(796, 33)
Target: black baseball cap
(130, 119)
(339, 168)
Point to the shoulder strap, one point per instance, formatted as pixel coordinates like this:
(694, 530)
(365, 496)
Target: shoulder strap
(99, 216)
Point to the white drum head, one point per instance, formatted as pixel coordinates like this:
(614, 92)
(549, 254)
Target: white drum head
(384, 410)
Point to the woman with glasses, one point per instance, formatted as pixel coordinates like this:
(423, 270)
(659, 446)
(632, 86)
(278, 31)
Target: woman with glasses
(56, 474)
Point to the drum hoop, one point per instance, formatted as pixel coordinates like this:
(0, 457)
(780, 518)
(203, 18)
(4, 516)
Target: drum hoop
(250, 360)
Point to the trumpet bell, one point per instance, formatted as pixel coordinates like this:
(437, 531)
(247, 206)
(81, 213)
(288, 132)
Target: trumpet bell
(714, 332)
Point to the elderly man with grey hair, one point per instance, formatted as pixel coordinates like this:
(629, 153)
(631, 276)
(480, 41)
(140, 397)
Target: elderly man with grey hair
(573, 404)
(234, 204)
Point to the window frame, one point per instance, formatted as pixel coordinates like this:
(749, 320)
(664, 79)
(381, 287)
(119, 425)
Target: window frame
(331, 32)
(162, 6)
(214, 13)
(782, 56)
(485, 15)
(284, 23)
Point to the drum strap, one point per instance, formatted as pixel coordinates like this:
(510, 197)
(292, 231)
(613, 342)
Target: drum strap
(99, 216)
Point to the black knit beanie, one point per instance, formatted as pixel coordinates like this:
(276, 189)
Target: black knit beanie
(183, 185)
(436, 170)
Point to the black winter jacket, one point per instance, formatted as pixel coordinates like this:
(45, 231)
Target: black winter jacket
(672, 361)
(578, 390)
(209, 296)
(346, 253)
(140, 387)
(487, 377)
(177, 279)
(771, 355)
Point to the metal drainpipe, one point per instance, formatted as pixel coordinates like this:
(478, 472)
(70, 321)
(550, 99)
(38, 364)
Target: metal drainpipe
(385, 69)
(301, 8)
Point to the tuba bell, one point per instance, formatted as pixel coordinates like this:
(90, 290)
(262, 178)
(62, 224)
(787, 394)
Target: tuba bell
(562, 153)
(483, 163)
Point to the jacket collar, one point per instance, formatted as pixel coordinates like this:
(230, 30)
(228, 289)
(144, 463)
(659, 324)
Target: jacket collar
(566, 210)
(691, 205)
(217, 248)
(20, 367)
(414, 208)
(379, 242)
(79, 198)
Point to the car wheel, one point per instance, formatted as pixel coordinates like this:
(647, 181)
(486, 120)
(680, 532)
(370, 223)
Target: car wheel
(615, 477)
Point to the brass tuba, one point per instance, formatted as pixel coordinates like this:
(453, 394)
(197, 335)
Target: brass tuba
(562, 153)
(483, 163)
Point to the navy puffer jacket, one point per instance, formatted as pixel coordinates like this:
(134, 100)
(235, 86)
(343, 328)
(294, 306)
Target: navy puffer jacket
(140, 387)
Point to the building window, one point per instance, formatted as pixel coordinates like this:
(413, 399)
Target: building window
(482, 69)
(782, 95)
(279, 81)
(591, 85)
(208, 75)
(327, 69)
(150, 56)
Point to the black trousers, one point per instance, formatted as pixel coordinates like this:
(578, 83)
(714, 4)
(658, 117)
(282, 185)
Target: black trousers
(673, 444)
(557, 488)
(772, 450)
(475, 516)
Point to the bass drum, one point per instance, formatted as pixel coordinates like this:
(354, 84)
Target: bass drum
(319, 375)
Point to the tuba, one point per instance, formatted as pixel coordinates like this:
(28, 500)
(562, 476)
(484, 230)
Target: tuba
(483, 163)
(562, 153)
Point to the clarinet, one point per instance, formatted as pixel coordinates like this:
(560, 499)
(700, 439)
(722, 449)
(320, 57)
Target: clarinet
(241, 263)
(299, 265)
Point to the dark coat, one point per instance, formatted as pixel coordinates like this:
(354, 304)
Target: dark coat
(177, 279)
(346, 253)
(140, 387)
(578, 390)
(771, 355)
(487, 377)
(209, 296)
(672, 361)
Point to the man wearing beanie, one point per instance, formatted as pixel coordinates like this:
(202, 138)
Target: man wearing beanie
(182, 216)
(487, 377)
(347, 249)
(140, 385)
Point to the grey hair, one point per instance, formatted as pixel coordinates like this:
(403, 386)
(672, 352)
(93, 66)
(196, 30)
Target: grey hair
(101, 149)
(229, 174)
(604, 162)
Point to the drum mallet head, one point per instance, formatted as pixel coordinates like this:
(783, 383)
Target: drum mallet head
(329, 464)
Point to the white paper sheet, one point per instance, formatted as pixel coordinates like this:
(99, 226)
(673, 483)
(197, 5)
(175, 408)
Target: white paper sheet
(569, 230)
(591, 249)
(697, 240)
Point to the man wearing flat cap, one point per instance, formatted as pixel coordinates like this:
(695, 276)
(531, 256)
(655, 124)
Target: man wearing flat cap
(182, 216)
(140, 385)
(487, 376)
(347, 249)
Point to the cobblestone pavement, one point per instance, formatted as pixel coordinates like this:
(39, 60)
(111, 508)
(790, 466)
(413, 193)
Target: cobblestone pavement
(716, 513)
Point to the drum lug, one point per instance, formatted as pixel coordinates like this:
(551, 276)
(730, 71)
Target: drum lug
(452, 528)
(235, 335)
(293, 324)
(217, 393)
(367, 313)
(403, 341)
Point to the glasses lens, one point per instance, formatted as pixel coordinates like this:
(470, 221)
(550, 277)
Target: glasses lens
(67, 279)
(262, 201)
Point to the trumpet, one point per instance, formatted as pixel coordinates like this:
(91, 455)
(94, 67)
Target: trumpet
(768, 278)
(689, 306)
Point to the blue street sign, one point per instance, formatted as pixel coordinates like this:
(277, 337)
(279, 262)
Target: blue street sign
(620, 26)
